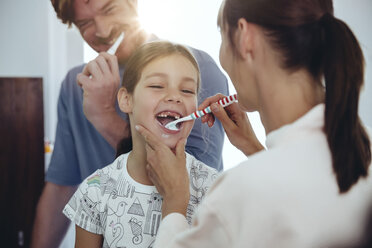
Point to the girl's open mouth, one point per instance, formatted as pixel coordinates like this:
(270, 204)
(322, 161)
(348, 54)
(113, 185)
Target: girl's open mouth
(165, 117)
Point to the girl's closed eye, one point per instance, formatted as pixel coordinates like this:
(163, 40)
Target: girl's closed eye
(156, 86)
(188, 88)
(188, 91)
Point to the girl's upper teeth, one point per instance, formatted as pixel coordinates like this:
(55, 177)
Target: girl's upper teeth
(176, 116)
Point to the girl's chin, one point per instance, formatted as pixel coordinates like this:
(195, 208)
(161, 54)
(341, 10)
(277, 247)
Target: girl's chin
(169, 141)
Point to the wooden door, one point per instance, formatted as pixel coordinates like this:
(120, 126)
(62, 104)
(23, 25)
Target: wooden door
(21, 157)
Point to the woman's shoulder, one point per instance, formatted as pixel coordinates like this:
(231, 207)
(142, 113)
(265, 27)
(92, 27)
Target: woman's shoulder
(254, 174)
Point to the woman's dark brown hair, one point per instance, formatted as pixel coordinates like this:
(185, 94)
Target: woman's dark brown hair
(307, 35)
(144, 55)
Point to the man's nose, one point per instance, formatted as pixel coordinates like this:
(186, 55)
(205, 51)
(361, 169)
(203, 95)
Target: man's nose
(103, 27)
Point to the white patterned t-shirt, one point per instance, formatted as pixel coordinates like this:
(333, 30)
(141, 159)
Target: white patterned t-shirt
(125, 212)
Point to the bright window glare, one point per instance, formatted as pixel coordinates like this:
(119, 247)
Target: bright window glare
(191, 22)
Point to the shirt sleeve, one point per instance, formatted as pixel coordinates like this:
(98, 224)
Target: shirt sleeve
(83, 208)
(206, 143)
(63, 168)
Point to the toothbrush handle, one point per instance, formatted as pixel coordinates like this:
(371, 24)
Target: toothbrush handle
(226, 101)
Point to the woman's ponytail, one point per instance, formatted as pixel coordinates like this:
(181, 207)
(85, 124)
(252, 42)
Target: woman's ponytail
(343, 74)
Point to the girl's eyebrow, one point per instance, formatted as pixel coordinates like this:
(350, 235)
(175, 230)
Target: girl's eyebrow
(157, 74)
(185, 79)
(164, 75)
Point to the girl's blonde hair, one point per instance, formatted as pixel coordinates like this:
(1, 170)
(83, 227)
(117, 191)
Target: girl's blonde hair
(147, 53)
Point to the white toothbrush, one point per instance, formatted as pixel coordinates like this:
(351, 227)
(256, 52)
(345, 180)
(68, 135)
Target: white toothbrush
(115, 46)
(226, 101)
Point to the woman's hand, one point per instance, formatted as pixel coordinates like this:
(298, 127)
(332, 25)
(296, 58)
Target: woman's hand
(235, 122)
(167, 170)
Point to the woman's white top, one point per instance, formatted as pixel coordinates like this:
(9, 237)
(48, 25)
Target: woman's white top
(286, 196)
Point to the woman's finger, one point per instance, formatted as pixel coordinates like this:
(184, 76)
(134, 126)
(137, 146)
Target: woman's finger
(150, 139)
(180, 148)
(220, 113)
(151, 173)
(209, 118)
(208, 101)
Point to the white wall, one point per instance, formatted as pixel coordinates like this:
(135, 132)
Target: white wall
(35, 44)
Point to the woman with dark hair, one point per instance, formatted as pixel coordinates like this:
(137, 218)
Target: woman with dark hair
(302, 70)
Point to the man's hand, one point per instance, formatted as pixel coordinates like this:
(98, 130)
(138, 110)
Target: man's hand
(100, 82)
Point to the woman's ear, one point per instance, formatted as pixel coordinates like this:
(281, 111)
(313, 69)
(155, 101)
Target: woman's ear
(245, 38)
(125, 100)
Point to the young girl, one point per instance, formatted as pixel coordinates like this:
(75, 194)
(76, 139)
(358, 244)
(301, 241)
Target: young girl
(118, 206)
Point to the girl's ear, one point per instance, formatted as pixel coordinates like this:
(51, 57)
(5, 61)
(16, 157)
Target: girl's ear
(125, 100)
(245, 38)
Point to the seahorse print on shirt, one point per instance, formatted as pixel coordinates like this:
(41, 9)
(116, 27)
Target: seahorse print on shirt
(117, 234)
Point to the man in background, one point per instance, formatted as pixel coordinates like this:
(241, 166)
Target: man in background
(89, 123)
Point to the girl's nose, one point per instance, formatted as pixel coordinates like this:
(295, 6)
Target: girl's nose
(173, 96)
